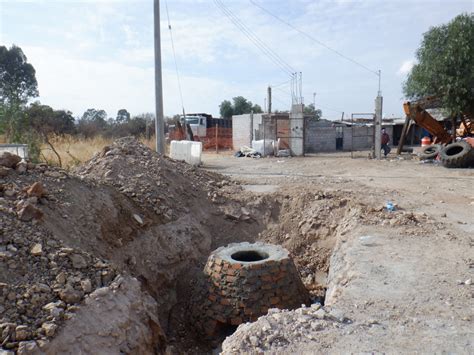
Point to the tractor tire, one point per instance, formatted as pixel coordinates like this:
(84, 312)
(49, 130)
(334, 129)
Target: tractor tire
(430, 152)
(457, 155)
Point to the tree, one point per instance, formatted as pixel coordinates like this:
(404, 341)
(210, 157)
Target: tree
(257, 109)
(93, 115)
(92, 122)
(123, 116)
(445, 66)
(17, 77)
(226, 110)
(241, 105)
(46, 122)
(310, 110)
(17, 85)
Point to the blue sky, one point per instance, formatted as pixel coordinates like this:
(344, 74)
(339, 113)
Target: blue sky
(100, 53)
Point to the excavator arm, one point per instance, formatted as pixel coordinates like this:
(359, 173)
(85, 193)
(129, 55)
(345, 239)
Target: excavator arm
(416, 111)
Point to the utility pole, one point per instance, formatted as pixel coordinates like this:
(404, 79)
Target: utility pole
(159, 120)
(314, 100)
(378, 123)
(269, 94)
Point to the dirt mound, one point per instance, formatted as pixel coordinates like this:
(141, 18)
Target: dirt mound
(163, 186)
(42, 280)
(127, 211)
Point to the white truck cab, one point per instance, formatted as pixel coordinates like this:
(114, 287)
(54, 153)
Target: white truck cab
(198, 124)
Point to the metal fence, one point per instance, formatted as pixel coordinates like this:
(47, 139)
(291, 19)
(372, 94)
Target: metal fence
(362, 134)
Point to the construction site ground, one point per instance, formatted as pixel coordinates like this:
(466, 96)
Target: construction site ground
(392, 286)
(108, 258)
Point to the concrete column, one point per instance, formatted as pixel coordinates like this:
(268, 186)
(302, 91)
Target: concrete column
(297, 130)
(378, 127)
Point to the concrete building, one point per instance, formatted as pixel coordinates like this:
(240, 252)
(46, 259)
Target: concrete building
(305, 135)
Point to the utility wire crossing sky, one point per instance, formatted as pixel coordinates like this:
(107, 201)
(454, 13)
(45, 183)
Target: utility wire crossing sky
(99, 54)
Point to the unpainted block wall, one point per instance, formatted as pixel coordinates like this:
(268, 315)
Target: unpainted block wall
(320, 137)
(241, 130)
(358, 138)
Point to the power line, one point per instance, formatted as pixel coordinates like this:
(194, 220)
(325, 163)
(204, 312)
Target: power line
(266, 50)
(315, 40)
(280, 101)
(287, 92)
(281, 84)
(174, 56)
(327, 108)
(255, 39)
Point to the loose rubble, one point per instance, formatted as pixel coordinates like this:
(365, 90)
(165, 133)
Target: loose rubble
(281, 327)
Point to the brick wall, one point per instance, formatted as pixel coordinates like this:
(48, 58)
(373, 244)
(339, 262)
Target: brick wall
(238, 292)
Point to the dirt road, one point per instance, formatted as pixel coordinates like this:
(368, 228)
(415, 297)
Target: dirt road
(391, 287)
(420, 187)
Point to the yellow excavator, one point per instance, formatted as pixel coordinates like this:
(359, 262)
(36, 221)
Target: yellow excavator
(453, 153)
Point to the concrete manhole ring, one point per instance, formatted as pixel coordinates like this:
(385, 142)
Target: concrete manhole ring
(247, 253)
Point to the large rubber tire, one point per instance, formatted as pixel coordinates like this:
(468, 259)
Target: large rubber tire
(430, 152)
(457, 155)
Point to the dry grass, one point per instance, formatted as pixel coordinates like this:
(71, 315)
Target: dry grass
(74, 151)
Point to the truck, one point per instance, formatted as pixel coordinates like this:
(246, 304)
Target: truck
(212, 132)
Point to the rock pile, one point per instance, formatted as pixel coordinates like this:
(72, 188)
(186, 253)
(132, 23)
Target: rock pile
(41, 280)
(279, 328)
(162, 184)
(65, 234)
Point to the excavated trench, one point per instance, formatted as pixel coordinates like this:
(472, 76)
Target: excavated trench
(169, 259)
(210, 296)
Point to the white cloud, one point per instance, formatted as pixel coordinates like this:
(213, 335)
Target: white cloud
(406, 67)
(76, 85)
(131, 36)
(99, 53)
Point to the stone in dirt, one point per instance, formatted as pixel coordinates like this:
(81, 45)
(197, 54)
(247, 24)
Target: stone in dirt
(9, 193)
(49, 328)
(36, 190)
(61, 278)
(4, 172)
(86, 285)
(69, 295)
(21, 332)
(78, 261)
(36, 250)
(54, 309)
(138, 219)
(9, 160)
(21, 167)
(27, 348)
(29, 212)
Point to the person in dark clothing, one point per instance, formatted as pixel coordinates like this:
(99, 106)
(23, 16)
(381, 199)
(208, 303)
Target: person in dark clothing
(385, 140)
